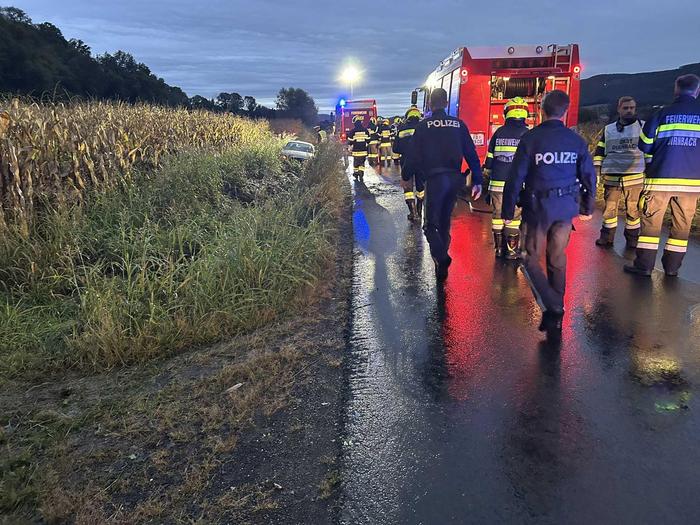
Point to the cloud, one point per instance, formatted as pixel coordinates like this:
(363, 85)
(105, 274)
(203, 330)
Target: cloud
(257, 47)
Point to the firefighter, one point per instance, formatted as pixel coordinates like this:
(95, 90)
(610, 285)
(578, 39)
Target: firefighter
(322, 135)
(402, 146)
(554, 164)
(358, 139)
(396, 157)
(373, 156)
(671, 140)
(621, 165)
(439, 145)
(384, 131)
(498, 162)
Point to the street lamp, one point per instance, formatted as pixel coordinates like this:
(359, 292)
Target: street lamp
(350, 75)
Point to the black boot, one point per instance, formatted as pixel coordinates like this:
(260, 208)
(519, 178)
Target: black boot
(419, 208)
(552, 324)
(512, 246)
(498, 243)
(412, 214)
(607, 236)
(631, 239)
(442, 269)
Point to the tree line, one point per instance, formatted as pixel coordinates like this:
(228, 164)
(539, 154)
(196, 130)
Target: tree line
(36, 60)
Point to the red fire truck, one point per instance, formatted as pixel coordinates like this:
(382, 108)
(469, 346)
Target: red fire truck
(480, 80)
(345, 110)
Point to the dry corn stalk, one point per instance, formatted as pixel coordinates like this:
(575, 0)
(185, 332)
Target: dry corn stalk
(58, 151)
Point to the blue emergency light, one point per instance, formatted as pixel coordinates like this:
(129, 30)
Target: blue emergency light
(342, 102)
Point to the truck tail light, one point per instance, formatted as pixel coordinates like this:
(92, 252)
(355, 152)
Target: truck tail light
(577, 69)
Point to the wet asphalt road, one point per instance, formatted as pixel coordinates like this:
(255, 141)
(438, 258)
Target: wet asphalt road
(460, 413)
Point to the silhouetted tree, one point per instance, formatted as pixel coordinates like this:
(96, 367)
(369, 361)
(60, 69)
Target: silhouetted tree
(297, 103)
(250, 104)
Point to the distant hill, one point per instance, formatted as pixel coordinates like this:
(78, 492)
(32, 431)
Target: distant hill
(653, 88)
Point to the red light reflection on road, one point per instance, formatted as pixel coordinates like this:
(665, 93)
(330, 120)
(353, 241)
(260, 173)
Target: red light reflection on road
(488, 304)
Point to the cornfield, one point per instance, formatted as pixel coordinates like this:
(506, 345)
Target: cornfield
(56, 152)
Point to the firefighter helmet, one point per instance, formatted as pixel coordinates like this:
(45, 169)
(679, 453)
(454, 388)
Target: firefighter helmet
(386, 122)
(413, 112)
(516, 107)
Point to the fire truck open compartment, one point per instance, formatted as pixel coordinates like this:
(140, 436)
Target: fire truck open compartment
(479, 81)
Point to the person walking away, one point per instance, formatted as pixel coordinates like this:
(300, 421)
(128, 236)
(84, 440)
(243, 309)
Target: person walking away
(358, 139)
(412, 182)
(559, 180)
(621, 166)
(396, 157)
(499, 158)
(385, 143)
(373, 155)
(671, 140)
(440, 144)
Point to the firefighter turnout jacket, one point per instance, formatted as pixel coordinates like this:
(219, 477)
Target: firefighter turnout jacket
(556, 168)
(372, 132)
(617, 153)
(403, 144)
(671, 142)
(443, 148)
(384, 131)
(502, 147)
(358, 138)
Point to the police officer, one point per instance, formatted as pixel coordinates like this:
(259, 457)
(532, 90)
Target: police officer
(439, 145)
(373, 155)
(499, 157)
(671, 140)
(396, 157)
(621, 165)
(384, 131)
(358, 139)
(554, 164)
(403, 146)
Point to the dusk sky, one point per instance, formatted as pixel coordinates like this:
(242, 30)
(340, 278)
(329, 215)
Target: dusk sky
(258, 46)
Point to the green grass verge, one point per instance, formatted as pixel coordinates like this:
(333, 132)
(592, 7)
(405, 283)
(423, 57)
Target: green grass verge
(206, 247)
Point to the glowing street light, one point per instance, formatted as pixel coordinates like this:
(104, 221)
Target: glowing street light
(350, 75)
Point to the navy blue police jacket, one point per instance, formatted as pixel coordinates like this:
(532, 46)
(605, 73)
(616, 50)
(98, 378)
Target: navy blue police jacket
(555, 167)
(670, 141)
(440, 142)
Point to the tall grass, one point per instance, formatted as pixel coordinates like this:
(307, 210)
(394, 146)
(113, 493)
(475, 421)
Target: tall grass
(209, 245)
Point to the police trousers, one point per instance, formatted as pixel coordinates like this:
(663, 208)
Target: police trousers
(612, 195)
(653, 206)
(549, 240)
(440, 197)
(497, 223)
